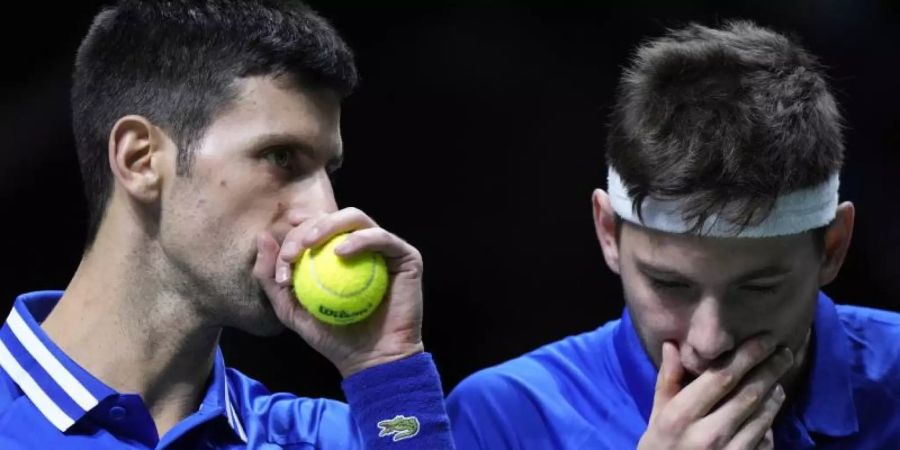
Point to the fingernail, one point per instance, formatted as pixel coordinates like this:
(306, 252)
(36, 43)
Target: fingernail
(282, 274)
(779, 392)
(788, 354)
(768, 342)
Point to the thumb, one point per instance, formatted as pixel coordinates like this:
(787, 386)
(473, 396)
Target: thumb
(279, 296)
(668, 380)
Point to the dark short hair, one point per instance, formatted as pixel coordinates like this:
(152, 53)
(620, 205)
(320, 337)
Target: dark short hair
(725, 118)
(175, 62)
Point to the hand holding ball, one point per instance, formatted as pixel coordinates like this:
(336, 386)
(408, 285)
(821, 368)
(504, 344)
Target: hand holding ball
(340, 290)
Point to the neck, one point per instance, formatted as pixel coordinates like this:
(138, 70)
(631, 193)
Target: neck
(117, 322)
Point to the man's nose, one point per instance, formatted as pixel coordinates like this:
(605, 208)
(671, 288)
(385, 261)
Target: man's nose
(311, 198)
(710, 333)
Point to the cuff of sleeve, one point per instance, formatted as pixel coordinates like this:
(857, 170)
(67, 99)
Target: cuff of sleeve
(400, 405)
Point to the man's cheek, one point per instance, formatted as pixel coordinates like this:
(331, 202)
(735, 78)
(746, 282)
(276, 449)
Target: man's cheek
(796, 317)
(791, 307)
(667, 324)
(660, 319)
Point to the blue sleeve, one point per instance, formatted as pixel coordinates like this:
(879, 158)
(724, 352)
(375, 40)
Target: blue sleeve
(400, 405)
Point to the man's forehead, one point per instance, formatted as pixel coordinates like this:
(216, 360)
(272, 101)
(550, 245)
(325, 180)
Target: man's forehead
(272, 88)
(265, 114)
(661, 239)
(667, 251)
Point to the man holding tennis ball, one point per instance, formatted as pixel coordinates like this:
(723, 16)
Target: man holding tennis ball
(206, 132)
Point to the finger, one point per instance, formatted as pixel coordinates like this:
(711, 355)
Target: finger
(767, 442)
(399, 254)
(668, 380)
(757, 429)
(291, 248)
(314, 232)
(285, 305)
(264, 272)
(347, 219)
(266, 254)
(705, 392)
(750, 393)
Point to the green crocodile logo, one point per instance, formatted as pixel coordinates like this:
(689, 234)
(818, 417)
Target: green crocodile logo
(401, 427)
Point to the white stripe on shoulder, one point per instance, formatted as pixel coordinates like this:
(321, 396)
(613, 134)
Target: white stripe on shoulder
(232, 415)
(51, 410)
(60, 374)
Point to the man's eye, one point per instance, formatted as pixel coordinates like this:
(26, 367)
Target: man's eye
(762, 289)
(281, 158)
(667, 284)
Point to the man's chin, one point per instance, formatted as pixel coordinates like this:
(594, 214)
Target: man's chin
(258, 318)
(264, 327)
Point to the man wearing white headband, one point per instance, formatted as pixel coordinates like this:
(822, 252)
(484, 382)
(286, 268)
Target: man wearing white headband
(721, 217)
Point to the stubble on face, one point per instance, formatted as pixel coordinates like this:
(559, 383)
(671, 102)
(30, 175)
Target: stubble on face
(668, 315)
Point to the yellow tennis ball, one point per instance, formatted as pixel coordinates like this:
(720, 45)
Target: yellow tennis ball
(340, 290)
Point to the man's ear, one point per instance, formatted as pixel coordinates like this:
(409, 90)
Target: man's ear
(605, 227)
(136, 157)
(837, 242)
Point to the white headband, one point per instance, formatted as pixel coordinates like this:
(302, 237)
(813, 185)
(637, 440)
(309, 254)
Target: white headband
(793, 213)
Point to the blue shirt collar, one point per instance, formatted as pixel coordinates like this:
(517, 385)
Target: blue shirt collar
(221, 397)
(62, 390)
(825, 405)
(638, 369)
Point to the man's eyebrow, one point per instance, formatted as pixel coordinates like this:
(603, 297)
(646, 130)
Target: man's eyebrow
(661, 271)
(771, 271)
(335, 156)
(764, 272)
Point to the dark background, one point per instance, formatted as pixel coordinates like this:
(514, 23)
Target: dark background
(477, 135)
